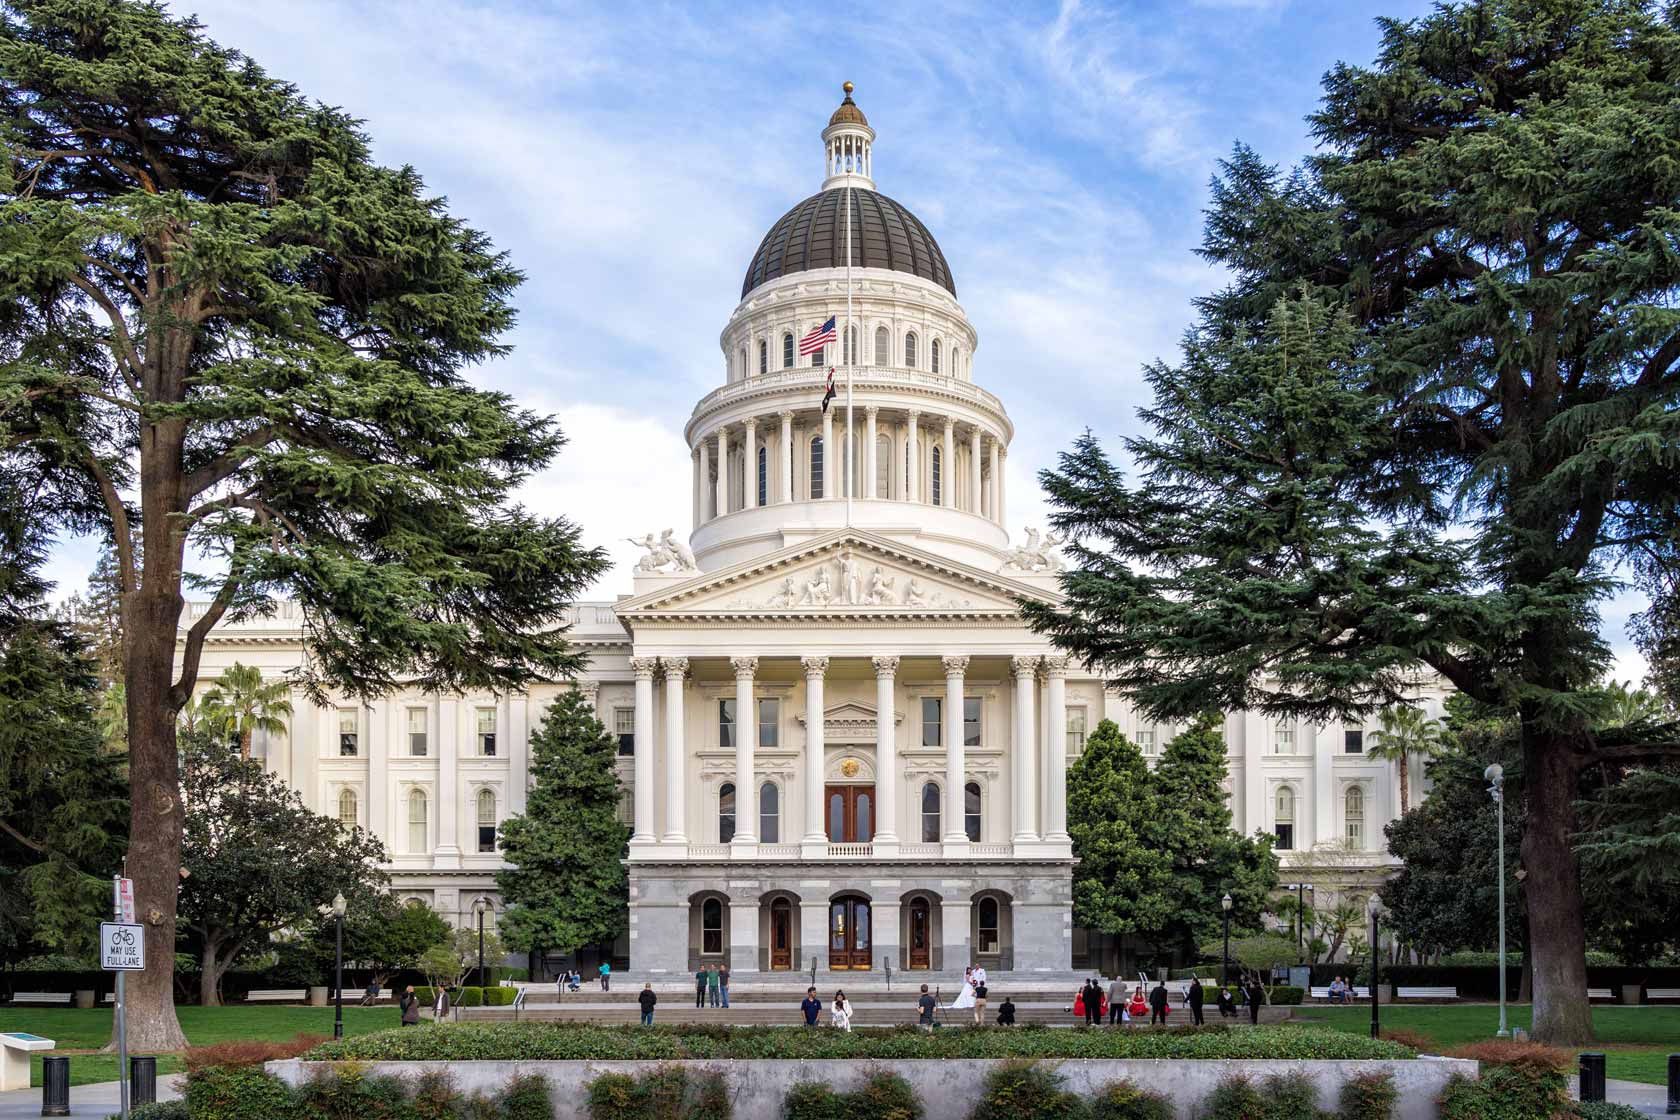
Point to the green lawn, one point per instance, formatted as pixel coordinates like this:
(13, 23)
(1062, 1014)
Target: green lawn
(1636, 1041)
(77, 1031)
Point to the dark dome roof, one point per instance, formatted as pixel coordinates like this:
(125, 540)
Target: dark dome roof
(848, 112)
(813, 235)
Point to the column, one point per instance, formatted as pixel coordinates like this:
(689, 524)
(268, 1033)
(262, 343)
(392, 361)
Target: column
(786, 464)
(1254, 784)
(813, 933)
(746, 739)
(722, 471)
(869, 465)
(642, 831)
(954, 949)
(749, 462)
(955, 764)
(676, 754)
(815, 839)
(885, 931)
(743, 931)
(831, 482)
(699, 486)
(948, 483)
(519, 750)
(996, 510)
(448, 852)
(1055, 703)
(887, 777)
(913, 462)
(706, 472)
(379, 719)
(999, 465)
(1025, 751)
(1326, 741)
(974, 470)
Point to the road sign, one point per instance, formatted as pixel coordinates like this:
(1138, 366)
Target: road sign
(122, 947)
(124, 891)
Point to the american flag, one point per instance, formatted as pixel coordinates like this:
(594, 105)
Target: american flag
(818, 338)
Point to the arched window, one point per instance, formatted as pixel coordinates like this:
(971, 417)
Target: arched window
(787, 351)
(711, 927)
(817, 467)
(1353, 803)
(956, 362)
(486, 820)
(930, 814)
(819, 357)
(933, 354)
(417, 821)
(726, 813)
(763, 357)
(971, 811)
(935, 477)
(883, 347)
(1285, 830)
(851, 346)
(849, 468)
(347, 808)
(987, 942)
(762, 473)
(741, 369)
(883, 467)
(769, 814)
(910, 349)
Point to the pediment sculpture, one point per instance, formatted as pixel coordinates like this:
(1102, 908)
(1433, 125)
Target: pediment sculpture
(847, 582)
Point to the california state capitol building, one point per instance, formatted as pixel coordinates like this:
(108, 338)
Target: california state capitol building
(838, 742)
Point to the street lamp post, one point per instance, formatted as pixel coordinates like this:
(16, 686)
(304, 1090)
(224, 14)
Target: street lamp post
(479, 908)
(1225, 960)
(1376, 965)
(339, 906)
(1495, 775)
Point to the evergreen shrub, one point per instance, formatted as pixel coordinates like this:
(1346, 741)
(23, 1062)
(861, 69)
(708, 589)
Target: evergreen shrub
(1027, 1091)
(1126, 1100)
(469, 997)
(1369, 1096)
(665, 1093)
(160, 1110)
(882, 1096)
(1235, 1098)
(1286, 995)
(1599, 1110)
(500, 997)
(247, 1093)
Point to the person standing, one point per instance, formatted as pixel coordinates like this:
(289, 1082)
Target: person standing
(1093, 1003)
(924, 1009)
(811, 1006)
(409, 1005)
(700, 986)
(440, 1006)
(723, 983)
(978, 979)
(1256, 993)
(606, 976)
(841, 1013)
(712, 985)
(1116, 1001)
(1158, 1004)
(647, 999)
(1195, 1000)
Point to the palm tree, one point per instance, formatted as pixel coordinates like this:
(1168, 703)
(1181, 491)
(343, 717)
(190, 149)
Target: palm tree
(241, 702)
(1624, 705)
(1406, 731)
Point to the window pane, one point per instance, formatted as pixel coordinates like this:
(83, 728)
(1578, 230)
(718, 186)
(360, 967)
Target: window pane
(817, 467)
(836, 817)
(930, 721)
(726, 723)
(417, 732)
(787, 351)
(938, 482)
(769, 722)
(883, 466)
(769, 814)
(486, 806)
(971, 811)
(971, 721)
(933, 354)
(910, 349)
(1076, 730)
(763, 357)
(624, 726)
(883, 347)
(930, 814)
(865, 831)
(726, 813)
(487, 838)
(763, 475)
(1285, 837)
(347, 744)
(860, 916)
(347, 808)
(1354, 742)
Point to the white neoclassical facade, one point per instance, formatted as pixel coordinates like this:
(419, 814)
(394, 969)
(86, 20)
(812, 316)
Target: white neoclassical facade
(838, 742)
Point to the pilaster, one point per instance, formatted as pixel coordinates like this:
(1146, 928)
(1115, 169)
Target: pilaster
(888, 779)
(956, 837)
(745, 843)
(642, 834)
(676, 752)
(814, 842)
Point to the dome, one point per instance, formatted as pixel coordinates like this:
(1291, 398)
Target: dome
(848, 112)
(813, 235)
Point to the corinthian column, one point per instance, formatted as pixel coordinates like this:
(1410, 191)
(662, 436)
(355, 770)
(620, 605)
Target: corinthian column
(1026, 750)
(1055, 703)
(815, 840)
(785, 465)
(723, 471)
(948, 484)
(746, 739)
(995, 512)
(749, 467)
(676, 754)
(869, 466)
(886, 758)
(913, 461)
(974, 469)
(642, 830)
(955, 763)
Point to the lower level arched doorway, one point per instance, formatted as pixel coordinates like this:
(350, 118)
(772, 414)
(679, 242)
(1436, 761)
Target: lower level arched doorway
(781, 934)
(920, 943)
(849, 933)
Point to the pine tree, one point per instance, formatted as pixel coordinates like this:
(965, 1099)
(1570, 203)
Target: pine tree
(1119, 882)
(228, 332)
(566, 885)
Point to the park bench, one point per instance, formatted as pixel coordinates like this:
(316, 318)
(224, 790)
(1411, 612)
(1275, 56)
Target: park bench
(1426, 993)
(278, 995)
(1599, 993)
(14, 1058)
(1655, 994)
(1355, 994)
(41, 997)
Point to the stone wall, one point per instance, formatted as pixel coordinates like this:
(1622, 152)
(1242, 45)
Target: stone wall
(947, 1087)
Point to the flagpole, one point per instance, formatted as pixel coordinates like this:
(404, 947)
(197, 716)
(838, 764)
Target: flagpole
(848, 353)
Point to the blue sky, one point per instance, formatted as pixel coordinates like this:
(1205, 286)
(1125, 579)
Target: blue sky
(630, 156)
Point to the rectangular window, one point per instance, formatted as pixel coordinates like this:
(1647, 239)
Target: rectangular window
(1353, 741)
(930, 721)
(763, 472)
(971, 721)
(769, 723)
(417, 732)
(487, 732)
(1285, 738)
(726, 723)
(1075, 730)
(1146, 740)
(1356, 834)
(347, 745)
(624, 726)
(1285, 837)
(817, 468)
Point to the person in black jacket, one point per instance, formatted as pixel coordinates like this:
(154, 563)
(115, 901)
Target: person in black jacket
(1158, 1005)
(409, 1004)
(647, 999)
(1256, 996)
(1006, 1013)
(1196, 1000)
(1227, 1004)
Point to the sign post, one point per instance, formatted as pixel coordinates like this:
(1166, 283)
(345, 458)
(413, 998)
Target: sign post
(122, 949)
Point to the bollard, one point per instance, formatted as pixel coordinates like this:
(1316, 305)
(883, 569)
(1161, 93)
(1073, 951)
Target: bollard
(142, 1081)
(1674, 1084)
(55, 1086)
(1592, 1078)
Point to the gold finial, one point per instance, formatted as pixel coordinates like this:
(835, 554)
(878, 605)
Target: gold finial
(847, 86)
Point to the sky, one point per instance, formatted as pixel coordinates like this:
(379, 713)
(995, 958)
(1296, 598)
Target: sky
(630, 156)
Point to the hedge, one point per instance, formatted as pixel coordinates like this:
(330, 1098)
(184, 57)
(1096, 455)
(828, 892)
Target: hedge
(224, 1093)
(558, 1041)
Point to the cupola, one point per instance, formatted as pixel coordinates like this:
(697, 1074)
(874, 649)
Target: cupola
(846, 145)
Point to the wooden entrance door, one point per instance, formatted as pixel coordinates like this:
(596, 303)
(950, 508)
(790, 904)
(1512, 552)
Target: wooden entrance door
(848, 933)
(851, 814)
(921, 934)
(781, 935)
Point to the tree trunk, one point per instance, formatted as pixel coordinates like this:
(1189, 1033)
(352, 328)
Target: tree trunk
(210, 976)
(1405, 784)
(1557, 941)
(245, 743)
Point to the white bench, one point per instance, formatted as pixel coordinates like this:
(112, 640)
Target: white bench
(278, 995)
(1426, 993)
(1324, 993)
(14, 1058)
(1655, 994)
(1599, 993)
(41, 997)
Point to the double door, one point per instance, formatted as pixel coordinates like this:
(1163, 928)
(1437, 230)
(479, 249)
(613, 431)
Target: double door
(850, 814)
(848, 933)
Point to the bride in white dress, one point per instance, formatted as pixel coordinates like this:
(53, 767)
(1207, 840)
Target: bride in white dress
(965, 998)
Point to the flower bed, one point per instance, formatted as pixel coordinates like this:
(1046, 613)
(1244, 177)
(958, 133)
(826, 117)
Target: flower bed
(543, 1041)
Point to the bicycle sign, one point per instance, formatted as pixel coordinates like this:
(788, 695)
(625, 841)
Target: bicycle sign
(122, 947)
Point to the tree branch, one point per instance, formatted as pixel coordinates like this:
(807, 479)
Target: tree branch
(193, 649)
(1635, 752)
(229, 461)
(119, 520)
(128, 358)
(21, 838)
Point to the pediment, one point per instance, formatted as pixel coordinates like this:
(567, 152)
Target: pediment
(848, 573)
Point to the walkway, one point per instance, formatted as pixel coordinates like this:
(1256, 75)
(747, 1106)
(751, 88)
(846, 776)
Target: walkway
(1652, 1100)
(97, 1101)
